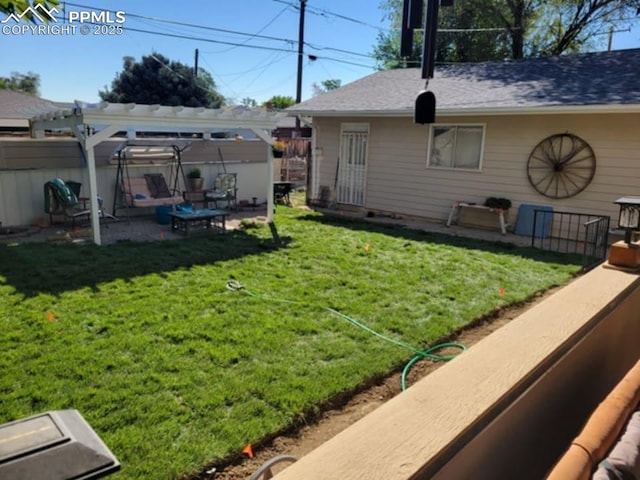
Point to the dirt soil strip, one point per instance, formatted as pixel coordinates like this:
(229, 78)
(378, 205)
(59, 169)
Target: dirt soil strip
(331, 421)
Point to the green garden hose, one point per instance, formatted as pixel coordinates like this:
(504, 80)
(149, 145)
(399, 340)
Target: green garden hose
(236, 286)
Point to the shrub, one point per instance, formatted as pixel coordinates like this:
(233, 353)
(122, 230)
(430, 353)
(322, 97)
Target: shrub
(496, 202)
(194, 173)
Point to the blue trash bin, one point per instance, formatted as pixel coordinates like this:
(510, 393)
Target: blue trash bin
(162, 214)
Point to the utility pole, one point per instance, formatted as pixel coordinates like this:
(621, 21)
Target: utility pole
(195, 65)
(303, 4)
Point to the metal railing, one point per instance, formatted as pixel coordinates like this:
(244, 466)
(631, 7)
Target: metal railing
(572, 233)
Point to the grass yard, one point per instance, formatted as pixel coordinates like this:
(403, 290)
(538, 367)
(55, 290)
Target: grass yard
(176, 372)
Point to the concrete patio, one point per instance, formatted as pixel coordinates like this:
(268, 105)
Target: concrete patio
(140, 228)
(145, 228)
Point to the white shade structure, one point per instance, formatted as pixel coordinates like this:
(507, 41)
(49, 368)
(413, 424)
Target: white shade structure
(94, 123)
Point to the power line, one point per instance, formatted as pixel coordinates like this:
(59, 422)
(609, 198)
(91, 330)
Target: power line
(315, 47)
(255, 35)
(234, 44)
(200, 39)
(324, 13)
(175, 35)
(233, 32)
(209, 40)
(191, 25)
(179, 75)
(271, 60)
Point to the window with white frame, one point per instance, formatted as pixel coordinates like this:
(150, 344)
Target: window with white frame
(456, 146)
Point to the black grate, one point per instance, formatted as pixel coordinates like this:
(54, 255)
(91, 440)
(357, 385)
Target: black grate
(572, 233)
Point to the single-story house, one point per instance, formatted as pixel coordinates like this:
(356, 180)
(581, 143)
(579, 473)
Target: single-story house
(561, 132)
(16, 108)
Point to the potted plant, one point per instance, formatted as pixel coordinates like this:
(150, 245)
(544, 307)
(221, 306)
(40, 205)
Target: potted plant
(498, 203)
(278, 148)
(195, 179)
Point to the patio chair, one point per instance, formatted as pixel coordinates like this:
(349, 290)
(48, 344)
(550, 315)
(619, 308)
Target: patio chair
(76, 187)
(225, 189)
(59, 199)
(61, 190)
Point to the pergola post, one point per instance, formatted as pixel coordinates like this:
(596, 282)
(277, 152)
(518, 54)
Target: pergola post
(93, 189)
(269, 141)
(88, 142)
(270, 205)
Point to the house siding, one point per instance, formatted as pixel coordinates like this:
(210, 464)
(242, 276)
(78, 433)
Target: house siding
(399, 181)
(27, 164)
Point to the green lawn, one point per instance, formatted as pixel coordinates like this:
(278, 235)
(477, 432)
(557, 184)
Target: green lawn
(175, 371)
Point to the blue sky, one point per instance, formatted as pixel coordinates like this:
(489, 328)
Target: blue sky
(76, 66)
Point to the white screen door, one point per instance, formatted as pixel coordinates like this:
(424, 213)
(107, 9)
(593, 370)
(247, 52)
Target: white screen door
(352, 164)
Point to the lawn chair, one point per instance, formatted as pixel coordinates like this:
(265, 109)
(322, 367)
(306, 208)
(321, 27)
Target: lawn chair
(225, 189)
(59, 199)
(76, 187)
(63, 198)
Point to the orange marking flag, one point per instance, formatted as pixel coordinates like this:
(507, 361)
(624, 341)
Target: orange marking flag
(248, 450)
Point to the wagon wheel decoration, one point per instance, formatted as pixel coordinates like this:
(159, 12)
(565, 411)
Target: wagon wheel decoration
(561, 166)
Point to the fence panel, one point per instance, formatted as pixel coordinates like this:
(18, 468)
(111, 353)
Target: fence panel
(572, 233)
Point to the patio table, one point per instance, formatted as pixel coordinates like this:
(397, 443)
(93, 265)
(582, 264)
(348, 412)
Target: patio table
(198, 220)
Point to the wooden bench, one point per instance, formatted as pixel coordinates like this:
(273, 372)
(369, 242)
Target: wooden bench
(497, 213)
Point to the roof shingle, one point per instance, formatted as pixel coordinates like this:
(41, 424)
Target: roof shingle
(602, 78)
(18, 105)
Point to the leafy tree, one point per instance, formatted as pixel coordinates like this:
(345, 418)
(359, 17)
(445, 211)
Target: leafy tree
(158, 80)
(279, 102)
(499, 29)
(569, 26)
(20, 82)
(468, 34)
(387, 51)
(19, 6)
(325, 86)
(248, 102)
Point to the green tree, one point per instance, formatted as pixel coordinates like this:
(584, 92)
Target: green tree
(158, 80)
(574, 25)
(477, 30)
(279, 102)
(21, 82)
(468, 34)
(19, 6)
(325, 86)
(248, 102)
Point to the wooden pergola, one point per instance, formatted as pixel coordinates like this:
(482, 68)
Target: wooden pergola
(94, 123)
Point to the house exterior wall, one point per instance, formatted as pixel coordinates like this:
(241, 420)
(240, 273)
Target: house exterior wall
(399, 181)
(27, 164)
